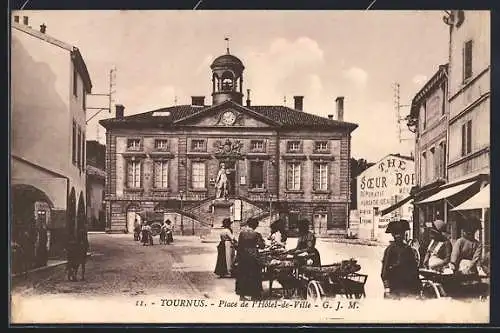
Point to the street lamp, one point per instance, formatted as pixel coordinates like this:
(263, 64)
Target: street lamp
(181, 195)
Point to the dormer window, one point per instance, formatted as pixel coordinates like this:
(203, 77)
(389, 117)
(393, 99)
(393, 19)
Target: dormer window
(134, 144)
(161, 144)
(321, 146)
(293, 146)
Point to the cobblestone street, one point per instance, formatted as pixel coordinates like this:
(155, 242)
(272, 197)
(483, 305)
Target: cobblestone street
(122, 272)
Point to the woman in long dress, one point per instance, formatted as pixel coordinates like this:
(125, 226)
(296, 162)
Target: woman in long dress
(225, 250)
(249, 267)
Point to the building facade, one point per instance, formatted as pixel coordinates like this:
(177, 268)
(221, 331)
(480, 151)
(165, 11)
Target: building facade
(450, 116)
(388, 181)
(429, 120)
(96, 177)
(49, 85)
(469, 99)
(274, 162)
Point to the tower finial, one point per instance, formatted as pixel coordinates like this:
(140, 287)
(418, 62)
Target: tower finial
(227, 44)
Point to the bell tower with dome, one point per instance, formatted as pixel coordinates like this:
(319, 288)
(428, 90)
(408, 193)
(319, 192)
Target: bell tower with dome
(227, 79)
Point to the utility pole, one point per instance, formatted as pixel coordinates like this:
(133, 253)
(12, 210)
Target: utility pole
(110, 95)
(397, 108)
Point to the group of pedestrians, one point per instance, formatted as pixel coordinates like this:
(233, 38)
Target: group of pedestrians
(144, 233)
(400, 266)
(240, 258)
(29, 249)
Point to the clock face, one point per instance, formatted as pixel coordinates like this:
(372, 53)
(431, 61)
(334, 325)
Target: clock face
(228, 118)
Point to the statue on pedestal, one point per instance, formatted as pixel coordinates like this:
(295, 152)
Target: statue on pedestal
(222, 183)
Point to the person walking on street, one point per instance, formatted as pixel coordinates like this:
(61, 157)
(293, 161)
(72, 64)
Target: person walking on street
(225, 250)
(249, 269)
(399, 267)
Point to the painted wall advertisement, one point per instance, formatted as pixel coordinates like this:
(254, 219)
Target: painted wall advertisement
(382, 185)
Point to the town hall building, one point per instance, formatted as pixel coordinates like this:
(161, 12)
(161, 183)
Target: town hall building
(196, 164)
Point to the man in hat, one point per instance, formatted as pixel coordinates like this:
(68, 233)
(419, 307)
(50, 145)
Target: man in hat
(438, 252)
(399, 267)
(466, 251)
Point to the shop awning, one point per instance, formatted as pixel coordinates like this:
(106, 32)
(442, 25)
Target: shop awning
(396, 205)
(478, 201)
(447, 192)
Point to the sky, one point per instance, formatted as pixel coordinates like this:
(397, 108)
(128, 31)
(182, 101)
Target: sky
(163, 58)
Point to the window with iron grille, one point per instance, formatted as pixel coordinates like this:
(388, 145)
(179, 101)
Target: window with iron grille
(198, 175)
(293, 176)
(321, 146)
(198, 145)
(134, 174)
(161, 144)
(133, 144)
(256, 174)
(321, 176)
(293, 146)
(257, 145)
(161, 174)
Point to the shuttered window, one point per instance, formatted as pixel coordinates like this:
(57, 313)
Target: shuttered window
(467, 60)
(467, 138)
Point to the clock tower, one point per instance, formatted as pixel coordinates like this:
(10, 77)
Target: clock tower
(227, 80)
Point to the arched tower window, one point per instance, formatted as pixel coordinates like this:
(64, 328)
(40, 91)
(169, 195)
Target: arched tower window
(228, 83)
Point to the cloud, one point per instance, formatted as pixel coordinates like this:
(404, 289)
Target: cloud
(419, 79)
(356, 75)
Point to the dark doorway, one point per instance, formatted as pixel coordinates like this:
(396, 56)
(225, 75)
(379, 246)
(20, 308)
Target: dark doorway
(71, 214)
(231, 177)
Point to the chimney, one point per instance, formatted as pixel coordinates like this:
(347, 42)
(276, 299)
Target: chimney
(16, 18)
(119, 111)
(340, 108)
(248, 98)
(330, 116)
(25, 20)
(198, 100)
(43, 27)
(299, 102)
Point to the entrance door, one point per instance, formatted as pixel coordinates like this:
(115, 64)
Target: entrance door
(319, 223)
(131, 217)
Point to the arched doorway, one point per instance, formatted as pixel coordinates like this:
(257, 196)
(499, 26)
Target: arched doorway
(71, 214)
(31, 210)
(133, 217)
(81, 216)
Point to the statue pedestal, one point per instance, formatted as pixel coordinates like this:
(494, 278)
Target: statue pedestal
(221, 210)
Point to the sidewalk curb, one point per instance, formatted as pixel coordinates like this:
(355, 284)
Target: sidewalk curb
(352, 241)
(45, 268)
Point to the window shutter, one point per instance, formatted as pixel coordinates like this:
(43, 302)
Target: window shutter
(316, 177)
(469, 136)
(464, 138)
(289, 176)
(129, 173)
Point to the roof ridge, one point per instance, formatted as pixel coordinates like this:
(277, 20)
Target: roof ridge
(43, 36)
